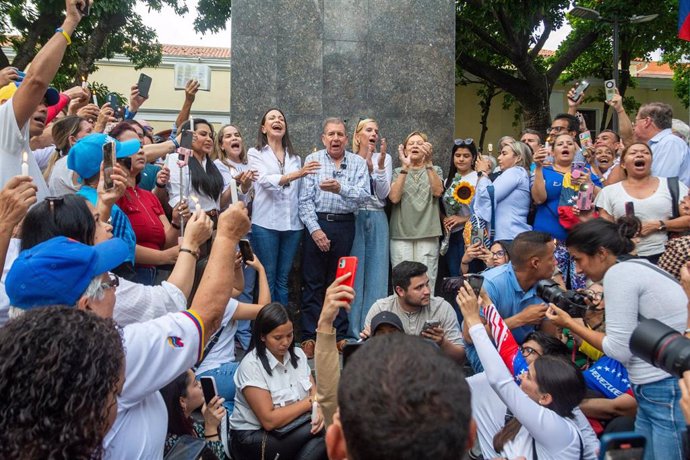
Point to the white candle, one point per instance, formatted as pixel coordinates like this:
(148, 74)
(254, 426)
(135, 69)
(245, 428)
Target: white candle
(25, 164)
(491, 148)
(314, 411)
(197, 205)
(191, 123)
(84, 84)
(233, 189)
(95, 99)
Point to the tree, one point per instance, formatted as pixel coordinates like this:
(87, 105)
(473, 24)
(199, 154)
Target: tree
(515, 32)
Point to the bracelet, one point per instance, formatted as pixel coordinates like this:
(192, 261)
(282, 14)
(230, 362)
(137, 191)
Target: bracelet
(64, 34)
(403, 171)
(175, 143)
(211, 435)
(189, 251)
(159, 185)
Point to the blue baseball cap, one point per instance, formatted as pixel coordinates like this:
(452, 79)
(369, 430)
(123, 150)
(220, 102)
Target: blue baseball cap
(86, 155)
(6, 92)
(58, 271)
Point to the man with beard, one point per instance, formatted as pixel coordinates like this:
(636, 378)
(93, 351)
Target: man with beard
(431, 317)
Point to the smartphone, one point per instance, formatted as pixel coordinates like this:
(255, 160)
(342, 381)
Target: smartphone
(144, 85)
(108, 164)
(578, 168)
(586, 139)
(581, 88)
(626, 445)
(114, 102)
(246, 250)
(349, 349)
(610, 89)
(185, 149)
(85, 8)
(629, 209)
(347, 265)
(187, 139)
(585, 197)
(208, 386)
(451, 284)
(476, 282)
(475, 235)
(430, 324)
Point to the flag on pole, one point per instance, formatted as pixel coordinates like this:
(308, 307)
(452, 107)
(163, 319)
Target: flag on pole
(684, 20)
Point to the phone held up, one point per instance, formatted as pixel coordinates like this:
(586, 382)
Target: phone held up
(626, 445)
(144, 85)
(108, 164)
(347, 265)
(246, 250)
(208, 386)
(581, 88)
(451, 284)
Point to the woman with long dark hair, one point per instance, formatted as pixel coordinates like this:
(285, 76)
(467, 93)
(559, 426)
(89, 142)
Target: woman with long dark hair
(634, 289)
(276, 227)
(275, 395)
(183, 396)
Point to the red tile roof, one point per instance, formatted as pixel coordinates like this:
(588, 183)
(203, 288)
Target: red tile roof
(196, 51)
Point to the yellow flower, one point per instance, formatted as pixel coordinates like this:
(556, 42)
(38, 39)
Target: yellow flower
(463, 193)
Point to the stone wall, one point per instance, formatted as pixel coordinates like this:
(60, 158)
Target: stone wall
(393, 60)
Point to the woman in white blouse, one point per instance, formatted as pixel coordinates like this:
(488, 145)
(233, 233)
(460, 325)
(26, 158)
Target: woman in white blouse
(230, 157)
(276, 228)
(371, 226)
(275, 395)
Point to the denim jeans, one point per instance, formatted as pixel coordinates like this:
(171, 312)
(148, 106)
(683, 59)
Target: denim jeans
(456, 249)
(145, 275)
(276, 251)
(659, 419)
(225, 383)
(371, 283)
(244, 328)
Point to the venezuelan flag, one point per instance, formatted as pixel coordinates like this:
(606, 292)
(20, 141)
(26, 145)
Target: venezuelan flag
(684, 19)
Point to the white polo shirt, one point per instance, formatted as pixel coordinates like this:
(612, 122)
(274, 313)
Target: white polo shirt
(156, 352)
(287, 385)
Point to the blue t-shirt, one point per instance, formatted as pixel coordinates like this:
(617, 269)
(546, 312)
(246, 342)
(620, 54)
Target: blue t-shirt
(546, 218)
(121, 227)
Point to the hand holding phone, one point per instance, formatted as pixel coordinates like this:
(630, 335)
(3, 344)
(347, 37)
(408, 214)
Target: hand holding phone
(246, 250)
(108, 164)
(347, 265)
(114, 102)
(476, 282)
(208, 386)
(144, 85)
(581, 88)
(610, 89)
(430, 325)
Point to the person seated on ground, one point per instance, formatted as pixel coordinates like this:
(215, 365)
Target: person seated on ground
(512, 287)
(400, 398)
(414, 304)
(38, 351)
(498, 254)
(550, 389)
(183, 396)
(219, 357)
(74, 217)
(61, 271)
(326, 359)
(275, 395)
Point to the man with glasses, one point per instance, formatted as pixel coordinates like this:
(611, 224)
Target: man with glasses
(564, 123)
(63, 272)
(327, 203)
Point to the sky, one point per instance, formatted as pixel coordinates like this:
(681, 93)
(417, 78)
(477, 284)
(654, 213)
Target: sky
(178, 30)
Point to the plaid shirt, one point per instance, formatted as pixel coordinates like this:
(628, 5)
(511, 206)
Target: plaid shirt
(353, 177)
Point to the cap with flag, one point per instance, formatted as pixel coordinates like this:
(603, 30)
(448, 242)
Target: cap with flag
(684, 19)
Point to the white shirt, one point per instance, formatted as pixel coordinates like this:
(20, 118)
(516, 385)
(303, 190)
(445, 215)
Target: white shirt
(156, 352)
(275, 207)
(670, 156)
(380, 180)
(61, 180)
(229, 174)
(207, 203)
(43, 155)
(12, 254)
(13, 142)
(656, 207)
(136, 303)
(287, 385)
(224, 349)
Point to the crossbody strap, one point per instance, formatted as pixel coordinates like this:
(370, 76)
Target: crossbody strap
(492, 230)
(209, 347)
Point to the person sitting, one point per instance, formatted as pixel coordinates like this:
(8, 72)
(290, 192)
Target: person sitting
(543, 403)
(38, 353)
(400, 398)
(275, 395)
(413, 303)
(498, 254)
(183, 396)
(386, 322)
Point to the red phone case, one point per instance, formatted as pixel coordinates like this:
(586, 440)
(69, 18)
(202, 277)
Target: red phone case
(347, 265)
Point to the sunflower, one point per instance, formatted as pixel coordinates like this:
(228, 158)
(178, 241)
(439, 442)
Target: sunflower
(463, 193)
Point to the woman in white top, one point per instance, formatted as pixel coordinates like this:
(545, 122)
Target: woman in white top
(276, 228)
(275, 392)
(543, 403)
(371, 226)
(230, 158)
(651, 199)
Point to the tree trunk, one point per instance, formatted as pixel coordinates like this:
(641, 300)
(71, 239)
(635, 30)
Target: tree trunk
(40, 29)
(487, 93)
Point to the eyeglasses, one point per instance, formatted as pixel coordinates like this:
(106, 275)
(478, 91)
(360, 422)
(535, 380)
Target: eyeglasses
(526, 351)
(112, 283)
(638, 119)
(460, 142)
(498, 254)
(558, 129)
(594, 297)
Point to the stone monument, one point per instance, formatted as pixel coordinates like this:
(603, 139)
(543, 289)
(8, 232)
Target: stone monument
(393, 60)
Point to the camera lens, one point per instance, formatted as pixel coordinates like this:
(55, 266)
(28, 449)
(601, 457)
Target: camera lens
(661, 346)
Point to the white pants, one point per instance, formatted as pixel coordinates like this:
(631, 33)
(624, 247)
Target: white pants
(424, 250)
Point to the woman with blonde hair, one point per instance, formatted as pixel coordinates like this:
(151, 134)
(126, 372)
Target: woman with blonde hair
(415, 224)
(371, 226)
(230, 157)
(66, 132)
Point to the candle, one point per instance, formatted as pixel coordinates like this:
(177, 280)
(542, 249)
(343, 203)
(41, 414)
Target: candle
(191, 123)
(233, 189)
(491, 148)
(25, 164)
(95, 99)
(195, 199)
(84, 84)
(314, 411)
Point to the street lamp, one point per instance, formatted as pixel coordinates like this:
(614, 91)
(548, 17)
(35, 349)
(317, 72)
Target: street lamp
(594, 15)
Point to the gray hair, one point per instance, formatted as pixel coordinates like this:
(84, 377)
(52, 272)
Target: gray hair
(660, 113)
(681, 129)
(333, 121)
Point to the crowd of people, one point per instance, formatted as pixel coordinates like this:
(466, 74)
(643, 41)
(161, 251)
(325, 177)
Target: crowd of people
(128, 283)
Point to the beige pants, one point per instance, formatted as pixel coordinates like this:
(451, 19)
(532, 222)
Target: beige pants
(424, 250)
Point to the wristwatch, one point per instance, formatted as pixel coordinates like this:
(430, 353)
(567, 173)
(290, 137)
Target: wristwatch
(662, 226)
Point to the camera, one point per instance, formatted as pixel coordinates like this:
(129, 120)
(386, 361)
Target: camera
(661, 346)
(571, 302)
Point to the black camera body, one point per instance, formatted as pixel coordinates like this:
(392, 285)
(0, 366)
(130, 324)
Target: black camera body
(661, 346)
(571, 302)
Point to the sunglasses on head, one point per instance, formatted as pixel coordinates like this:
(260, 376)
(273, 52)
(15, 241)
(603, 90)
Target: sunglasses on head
(460, 142)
